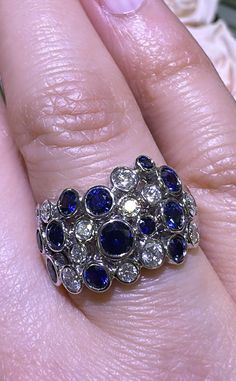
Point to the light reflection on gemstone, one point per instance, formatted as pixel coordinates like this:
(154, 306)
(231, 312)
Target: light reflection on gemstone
(68, 202)
(55, 235)
(177, 248)
(98, 201)
(124, 179)
(152, 254)
(70, 280)
(190, 204)
(45, 211)
(96, 277)
(78, 253)
(84, 229)
(193, 234)
(151, 193)
(173, 214)
(128, 272)
(129, 206)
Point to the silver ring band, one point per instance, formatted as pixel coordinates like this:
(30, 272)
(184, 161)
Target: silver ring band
(145, 219)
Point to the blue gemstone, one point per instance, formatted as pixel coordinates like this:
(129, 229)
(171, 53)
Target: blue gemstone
(173, 215)
(99, 201)
(51, 271)
(96, 277)
(177, 247)
(68, 202)
(147, 225)
(145, 162)
(39, 241)
(170, 179)
(116, 239)
(55, 235)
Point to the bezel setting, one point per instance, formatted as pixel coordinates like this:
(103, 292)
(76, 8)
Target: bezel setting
(76, 201)
(138, 222)
(110, 202)
(128, 230)
(49, 240)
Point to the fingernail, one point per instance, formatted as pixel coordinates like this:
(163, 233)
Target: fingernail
(120, 7)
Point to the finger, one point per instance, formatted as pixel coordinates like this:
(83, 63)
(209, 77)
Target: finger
(190, 113)
(67, 101)
(69, 130)
(36, 323)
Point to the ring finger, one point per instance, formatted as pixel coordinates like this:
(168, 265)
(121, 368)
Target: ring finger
(74, 118)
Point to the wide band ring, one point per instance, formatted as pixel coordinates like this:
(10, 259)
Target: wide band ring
(145, 219)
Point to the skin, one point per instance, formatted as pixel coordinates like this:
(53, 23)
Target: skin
(76, 108)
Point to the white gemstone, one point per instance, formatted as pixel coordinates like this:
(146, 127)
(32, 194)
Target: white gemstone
(194, 236)
(151, 193)
(152, 254)
(79, 253)
(129, 206)
(190, 204)
(124, 179)
(128, 272)
(45, 211)
(84, 229)
(70, 280)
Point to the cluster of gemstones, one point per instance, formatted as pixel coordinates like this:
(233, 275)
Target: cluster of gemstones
(144, 219)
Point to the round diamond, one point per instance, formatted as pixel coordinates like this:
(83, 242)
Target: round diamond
(51, 270)
(124, 179)
(173, 214)
(116, 239)
(55, 235)
(170, 179)
(79, 253)
(190, 204)
(152, 255)
(177, 249)
(60, 259)
(193, 234)
(45, 211)
(84, 229)
(151, 193)
(98, 201)
(68, 202)
(96, 277)
(70, 280)
(129, 206)
(128, 272)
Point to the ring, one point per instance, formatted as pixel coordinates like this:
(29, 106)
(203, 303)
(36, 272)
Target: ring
(146, 218)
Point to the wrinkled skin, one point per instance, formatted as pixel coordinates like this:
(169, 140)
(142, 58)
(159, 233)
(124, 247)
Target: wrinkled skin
(70, 117)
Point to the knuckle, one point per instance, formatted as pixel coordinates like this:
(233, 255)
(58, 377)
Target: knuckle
(70, 113)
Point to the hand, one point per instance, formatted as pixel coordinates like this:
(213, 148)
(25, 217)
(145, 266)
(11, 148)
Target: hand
(73, 118)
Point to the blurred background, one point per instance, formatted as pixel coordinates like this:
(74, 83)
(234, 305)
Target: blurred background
(213, 24)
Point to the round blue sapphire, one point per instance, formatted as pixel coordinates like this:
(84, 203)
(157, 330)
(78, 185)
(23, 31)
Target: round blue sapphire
(51, 270)
(170, 179)
(68, 202)
(96, 277)
(116, 239)
(177, 248)
(98, 201)
(145, 162)
(147, 225)
(55, 235)
(39, 241)
(173, 214)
